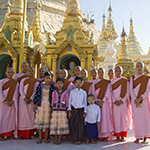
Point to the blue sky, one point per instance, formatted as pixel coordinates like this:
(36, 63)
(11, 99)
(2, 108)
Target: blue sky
(121, 13)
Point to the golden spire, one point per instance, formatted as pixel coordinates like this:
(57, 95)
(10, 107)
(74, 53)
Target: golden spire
(102, 42)
(110, 33)
(73, 8)
(36, 28)
(133, 45)
(8, 8)
(123, 59)
(123, 55)
(73, 16)
(17, 8)
(148, 51)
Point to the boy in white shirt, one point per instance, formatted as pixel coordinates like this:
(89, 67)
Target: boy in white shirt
(77, 112)
(92, 119)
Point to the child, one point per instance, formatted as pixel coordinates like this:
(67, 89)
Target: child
(92, 119)
(26, 115)
(110, 74)
(140, 96)
(94, 74)
(77, 72)
(101, 89)
(68, 85)
(24, 67)
(77, 112)
(42, 101)
(86, 85)
(58, 74)
(8, 105)
(41, 75)
(120, 99)
(59, 122)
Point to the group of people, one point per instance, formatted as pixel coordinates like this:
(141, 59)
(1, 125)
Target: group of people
(74, 108)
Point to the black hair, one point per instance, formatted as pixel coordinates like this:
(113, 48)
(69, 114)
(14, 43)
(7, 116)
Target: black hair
(91, 95)
(60, 79)
(78, 78)
(47, 74)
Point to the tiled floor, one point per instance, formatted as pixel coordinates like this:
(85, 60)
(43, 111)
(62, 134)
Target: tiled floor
(66, 145)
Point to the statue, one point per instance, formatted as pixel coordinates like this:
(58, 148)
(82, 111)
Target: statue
(72, 66)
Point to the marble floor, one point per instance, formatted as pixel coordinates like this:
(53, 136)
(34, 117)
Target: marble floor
(67, 145)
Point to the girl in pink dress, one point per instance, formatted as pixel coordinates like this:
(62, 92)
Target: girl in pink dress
(42, 101)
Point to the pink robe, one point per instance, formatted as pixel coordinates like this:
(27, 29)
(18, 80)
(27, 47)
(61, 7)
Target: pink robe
(122, 121)
(8, 115)
(18, 75)
(72, 78)
(141, 115)
(91, 80)
(26, 114)
(40, 79)
(105, 128)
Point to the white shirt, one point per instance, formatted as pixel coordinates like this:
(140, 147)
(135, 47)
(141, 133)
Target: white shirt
(78, 99)
(93, 114)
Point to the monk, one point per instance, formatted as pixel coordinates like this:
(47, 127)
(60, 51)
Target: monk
(140, 101)
(77, 72)
(110, 74)
(122, 121)
(41, 74)
(8, 106)
(68, 85)
(26, 115)
(94, 74)
(58, 74)
(86, 85)
(24, 67)
(101, 89)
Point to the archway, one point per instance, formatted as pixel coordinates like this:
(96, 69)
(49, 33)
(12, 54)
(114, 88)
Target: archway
(65, 61)
(5, 61)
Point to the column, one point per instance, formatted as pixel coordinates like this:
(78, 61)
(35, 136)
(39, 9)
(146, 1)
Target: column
(54, 63)
(49, 60)
(89, 63)
(82, 59)
(15, 64)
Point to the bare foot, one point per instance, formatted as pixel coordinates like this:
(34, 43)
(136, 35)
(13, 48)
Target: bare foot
(76, 143)
(33, 137)
(93, 142)
(46, 141)
(144, 142)
(118, 139)
(39, 141)
(20, 138)
(122, 139)
(104, 140)
(59, 142)
(3, 139)
(136, 141)
(55, 142)
(87, 142)
(11, 138)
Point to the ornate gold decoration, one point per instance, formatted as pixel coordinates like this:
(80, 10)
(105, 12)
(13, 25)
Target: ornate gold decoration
(123, 60)
(109, 33)
(69, 41)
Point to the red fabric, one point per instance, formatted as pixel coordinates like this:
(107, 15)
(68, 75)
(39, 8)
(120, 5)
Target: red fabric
(26, 134)
(7, 134)
(121, 134)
